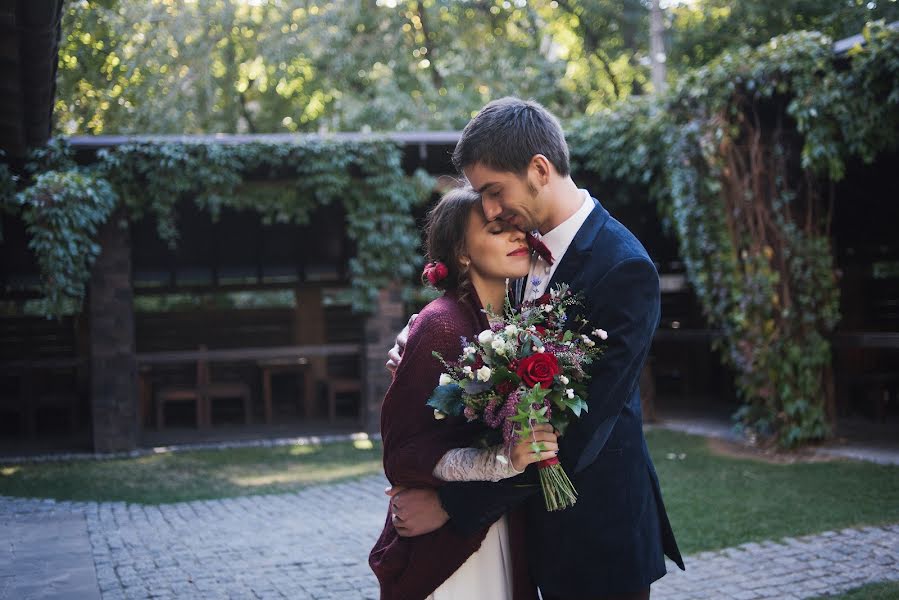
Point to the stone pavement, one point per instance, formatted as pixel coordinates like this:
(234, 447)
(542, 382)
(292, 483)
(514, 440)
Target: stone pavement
(313, 544)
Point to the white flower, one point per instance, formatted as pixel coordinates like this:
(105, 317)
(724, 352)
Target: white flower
(469, 350)
(540, 349)
(601, 334)
(563, 379)
(485, 337)
(445, 379)
(547, 308)
(468, 372)
(498, 346)
(511, 330)
(590, 343)
(484, 373)
(438, 415)
(569, 392)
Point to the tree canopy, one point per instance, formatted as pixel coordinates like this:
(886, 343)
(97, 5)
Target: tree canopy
(264, 66)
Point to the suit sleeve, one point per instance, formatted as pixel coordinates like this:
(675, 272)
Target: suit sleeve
(625, 302)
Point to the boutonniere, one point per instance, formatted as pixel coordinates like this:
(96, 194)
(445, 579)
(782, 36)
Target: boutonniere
(539, 247)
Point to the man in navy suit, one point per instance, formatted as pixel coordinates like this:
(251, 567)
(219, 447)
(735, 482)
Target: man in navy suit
(611, 544)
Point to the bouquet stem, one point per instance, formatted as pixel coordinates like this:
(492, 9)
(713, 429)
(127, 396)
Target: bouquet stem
(558, 491)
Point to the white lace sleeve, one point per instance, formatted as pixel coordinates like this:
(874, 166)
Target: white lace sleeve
(475, 464)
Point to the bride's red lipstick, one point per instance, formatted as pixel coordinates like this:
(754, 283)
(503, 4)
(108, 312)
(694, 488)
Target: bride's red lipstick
(519, 252)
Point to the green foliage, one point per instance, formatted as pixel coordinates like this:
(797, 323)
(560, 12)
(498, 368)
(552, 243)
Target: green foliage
(149, 179)
(63, 211)
(702, 29)
(743, 193)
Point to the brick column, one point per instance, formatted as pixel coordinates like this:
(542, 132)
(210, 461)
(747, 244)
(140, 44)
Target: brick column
(114, 396)
(381, 328)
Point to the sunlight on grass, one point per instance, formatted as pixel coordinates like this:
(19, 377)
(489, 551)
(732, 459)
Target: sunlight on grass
(303, 450)
(299, 475)
(7, 471)
(363, 445)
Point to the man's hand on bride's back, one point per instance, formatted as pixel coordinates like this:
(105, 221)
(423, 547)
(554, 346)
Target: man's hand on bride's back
(396, 353)
(415, 511)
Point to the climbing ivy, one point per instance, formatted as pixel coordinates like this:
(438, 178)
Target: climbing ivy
(739, 160)
(366, 177)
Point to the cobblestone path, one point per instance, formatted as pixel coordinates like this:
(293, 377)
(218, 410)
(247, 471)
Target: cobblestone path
(314, 544)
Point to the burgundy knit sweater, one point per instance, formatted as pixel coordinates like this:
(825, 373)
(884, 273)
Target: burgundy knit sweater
(414, 442)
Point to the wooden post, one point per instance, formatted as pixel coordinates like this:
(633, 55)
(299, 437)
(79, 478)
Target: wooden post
(309, 329)
(381, 328)
(114, 386)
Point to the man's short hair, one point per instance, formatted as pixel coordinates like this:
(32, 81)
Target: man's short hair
(506, 135)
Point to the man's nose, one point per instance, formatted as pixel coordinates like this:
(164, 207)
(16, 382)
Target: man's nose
(492, 209)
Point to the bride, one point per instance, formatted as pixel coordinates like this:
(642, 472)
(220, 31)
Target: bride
(472, 260)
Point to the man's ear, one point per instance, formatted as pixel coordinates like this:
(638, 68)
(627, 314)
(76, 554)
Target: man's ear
(541, 169)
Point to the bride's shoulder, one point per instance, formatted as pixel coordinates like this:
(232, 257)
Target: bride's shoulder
(446, 313)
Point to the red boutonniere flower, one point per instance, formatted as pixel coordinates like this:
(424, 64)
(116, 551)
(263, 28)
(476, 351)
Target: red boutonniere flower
(539, 247)
(539, 368)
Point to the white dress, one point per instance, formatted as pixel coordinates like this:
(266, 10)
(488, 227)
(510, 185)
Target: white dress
(487, 574)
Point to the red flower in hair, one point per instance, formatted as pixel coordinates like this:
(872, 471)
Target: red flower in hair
(435, 272)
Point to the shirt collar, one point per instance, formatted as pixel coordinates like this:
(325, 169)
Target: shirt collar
(560, 237)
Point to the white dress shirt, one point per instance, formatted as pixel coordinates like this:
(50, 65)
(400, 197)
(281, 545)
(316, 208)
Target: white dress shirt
(557, 240)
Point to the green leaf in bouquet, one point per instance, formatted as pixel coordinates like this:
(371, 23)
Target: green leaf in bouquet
(577, 405)
(567, 336)
(447, 399)
(559, 421)
(473, 386)
(502, 374)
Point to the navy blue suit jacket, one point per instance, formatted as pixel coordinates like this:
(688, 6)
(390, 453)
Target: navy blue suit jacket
(613, 540)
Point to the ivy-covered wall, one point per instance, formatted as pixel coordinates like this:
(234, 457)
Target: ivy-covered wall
(64, 204)
(739, 160)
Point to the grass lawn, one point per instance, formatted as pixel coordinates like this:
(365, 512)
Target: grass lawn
(193, 475)
(713, 501)
(874, 591)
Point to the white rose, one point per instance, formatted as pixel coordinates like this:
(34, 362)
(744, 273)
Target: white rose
(498, 345)
(484, 374)
(470, 350)
(563, 379)
(445, 379)
(468, 372)
(601, 334)
(511, 330)
(547, 308)
(438, 415)
(485, 337)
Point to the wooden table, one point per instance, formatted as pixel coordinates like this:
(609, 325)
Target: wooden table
(270, 359)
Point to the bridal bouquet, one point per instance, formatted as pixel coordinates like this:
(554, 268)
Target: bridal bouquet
(528, 368)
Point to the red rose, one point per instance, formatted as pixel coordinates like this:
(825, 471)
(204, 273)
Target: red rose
(544, 299)
(541, 330)
(538, 368)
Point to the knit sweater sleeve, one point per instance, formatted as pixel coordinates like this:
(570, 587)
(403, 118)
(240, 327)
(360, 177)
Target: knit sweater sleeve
(414, 441)
(476, 464)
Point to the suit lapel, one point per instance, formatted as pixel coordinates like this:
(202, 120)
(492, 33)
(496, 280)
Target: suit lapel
(579, 251)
